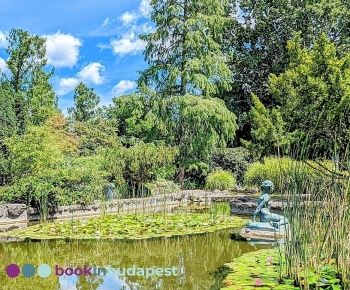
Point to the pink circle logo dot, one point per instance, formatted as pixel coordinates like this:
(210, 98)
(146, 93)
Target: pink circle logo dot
(12, 270)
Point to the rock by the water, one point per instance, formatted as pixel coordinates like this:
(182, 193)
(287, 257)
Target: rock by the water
(263, 232)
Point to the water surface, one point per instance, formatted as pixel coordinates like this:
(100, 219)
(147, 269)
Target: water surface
(198, 261)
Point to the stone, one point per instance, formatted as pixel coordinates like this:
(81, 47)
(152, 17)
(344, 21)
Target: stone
(16, 210)
(3, 211)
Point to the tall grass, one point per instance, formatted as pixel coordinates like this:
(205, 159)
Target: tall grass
(319, 215)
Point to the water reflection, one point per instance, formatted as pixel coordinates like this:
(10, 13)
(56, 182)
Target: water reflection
(197, 260)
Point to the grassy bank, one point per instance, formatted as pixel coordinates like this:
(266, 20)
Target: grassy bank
(263, 270)
(130, 226)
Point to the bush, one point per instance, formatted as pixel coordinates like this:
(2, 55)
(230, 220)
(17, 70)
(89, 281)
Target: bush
(74, 181)
(220, 180)
(281, 170)
(162, 187)
(235, 160)
(195, 175)
(138, 165)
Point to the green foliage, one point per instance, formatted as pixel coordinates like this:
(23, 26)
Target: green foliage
(315, 96)
(195, 174)
(95, 134)
(8, 125)
(36, 162)
(197, 126)
(26, 61)
(131, 226)
(184, 51)
(42, 100)
(85, 101)
(41, 148)
(268, 130)
(221, 180)
(279, 170)
(74, 181)
(271, 168)
(236, 160)
(137, 165)
(138, 118)
(162, 187)
(258, 39)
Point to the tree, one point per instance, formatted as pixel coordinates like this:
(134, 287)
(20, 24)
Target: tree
(42, 99)
(85, 101)
(138, 118)
(197, 126)
(26, 59)
(268, 130)
(258, 36)
(7, 112)
(8, 126)
(314, 93)
(184, 52)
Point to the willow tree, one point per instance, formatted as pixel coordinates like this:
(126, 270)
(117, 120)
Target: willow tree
(184, 51)
(197, 126)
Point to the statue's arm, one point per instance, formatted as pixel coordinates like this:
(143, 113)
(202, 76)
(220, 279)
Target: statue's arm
(258, 209)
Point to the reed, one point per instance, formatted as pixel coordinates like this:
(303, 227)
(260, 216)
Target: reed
(318, 210)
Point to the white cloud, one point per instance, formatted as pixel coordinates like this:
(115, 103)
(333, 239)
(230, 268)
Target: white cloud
(145, 8)
(128, 44)
(123, 86)
(62, 50)
(92, 73)
(3, 40)
(128, 17)
(66, 85)
(106, 22)
(3, 66)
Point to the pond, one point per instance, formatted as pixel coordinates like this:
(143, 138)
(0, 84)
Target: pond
(188, 262)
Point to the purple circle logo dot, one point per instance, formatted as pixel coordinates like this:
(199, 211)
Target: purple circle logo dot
(12, 270)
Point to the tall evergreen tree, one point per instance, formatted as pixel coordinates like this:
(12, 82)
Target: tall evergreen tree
(86, 101)
(184, 52)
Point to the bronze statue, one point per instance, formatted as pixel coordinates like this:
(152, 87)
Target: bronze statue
(271, 226)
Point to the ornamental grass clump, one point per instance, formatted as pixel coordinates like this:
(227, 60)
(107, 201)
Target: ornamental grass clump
(221, 180)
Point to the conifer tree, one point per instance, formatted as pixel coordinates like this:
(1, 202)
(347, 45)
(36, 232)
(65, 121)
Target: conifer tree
(184, 52)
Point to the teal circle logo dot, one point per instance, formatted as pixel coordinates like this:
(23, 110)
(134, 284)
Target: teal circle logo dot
(28, 270)
(44, 270)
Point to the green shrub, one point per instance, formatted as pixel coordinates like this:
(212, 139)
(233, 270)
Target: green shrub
(281, 170)
(162, 187)
(195, 175)
(220, 180)
(235, 160)
(75, 181)
(138, 165)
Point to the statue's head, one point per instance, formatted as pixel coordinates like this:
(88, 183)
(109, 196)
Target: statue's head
(267, 186)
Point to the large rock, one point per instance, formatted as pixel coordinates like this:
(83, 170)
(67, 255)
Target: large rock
(13, 216)
(246, 205)
(251, 234)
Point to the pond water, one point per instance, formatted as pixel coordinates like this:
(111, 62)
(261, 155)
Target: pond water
(190, 262)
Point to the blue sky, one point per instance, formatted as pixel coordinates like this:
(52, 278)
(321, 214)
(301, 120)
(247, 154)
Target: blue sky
(95, 41)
